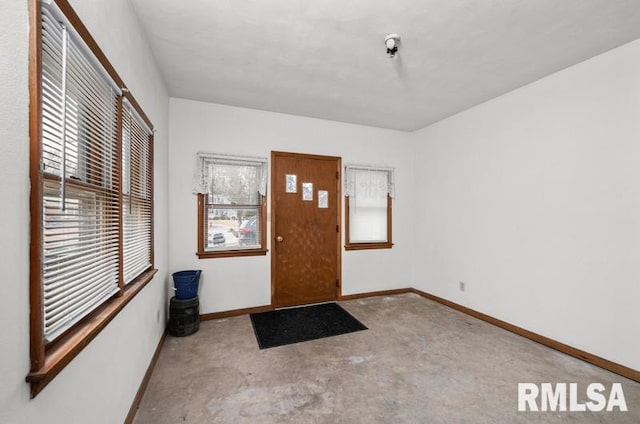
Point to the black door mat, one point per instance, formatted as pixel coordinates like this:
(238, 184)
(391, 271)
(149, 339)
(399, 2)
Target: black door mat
(295, 325)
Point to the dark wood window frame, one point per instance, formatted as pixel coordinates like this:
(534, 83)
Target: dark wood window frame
(364, 246)
(48, 359)
(204, 254)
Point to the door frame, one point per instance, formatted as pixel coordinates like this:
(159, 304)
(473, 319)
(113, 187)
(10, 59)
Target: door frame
(338, 161)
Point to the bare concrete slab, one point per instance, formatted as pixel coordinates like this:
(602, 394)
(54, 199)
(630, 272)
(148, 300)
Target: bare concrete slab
(419, 362)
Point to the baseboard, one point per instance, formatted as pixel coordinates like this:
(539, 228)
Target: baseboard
(236, 312)
(145, 380)
(375, 293)
(598, 361)
(265, 308)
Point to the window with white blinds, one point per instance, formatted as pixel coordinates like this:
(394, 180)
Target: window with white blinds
(137, 194)
(97, 190)
(80, 193)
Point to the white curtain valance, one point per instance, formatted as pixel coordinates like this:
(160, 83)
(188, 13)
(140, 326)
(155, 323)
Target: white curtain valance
(206, 165)
(372, 181)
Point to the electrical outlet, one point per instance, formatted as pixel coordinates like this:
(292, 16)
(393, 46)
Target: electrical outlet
(462, 286)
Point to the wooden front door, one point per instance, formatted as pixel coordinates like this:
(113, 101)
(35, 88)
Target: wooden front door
(305, 228)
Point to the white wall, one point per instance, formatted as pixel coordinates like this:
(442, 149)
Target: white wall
(533, 200)
(233, 283)
(100, 383)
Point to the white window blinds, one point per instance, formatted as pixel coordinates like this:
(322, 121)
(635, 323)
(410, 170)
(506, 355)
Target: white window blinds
(368, 189)
(137, 194)
(80, 190)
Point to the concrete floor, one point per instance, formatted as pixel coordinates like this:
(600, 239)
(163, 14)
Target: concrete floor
(419, 362)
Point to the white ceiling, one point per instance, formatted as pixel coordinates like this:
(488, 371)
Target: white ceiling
(326, 58)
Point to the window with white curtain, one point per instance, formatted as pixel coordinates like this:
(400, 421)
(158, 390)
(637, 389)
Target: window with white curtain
(368, 192)
(231, 205)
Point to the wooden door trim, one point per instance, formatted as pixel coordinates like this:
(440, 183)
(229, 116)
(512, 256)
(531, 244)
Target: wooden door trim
(338, 161)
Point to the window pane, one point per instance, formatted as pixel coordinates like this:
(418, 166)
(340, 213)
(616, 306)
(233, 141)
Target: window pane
(235, 184)
(368, 222)
(80, 264)
(80, 211)
(368, 206)
(136, 233)
(84, 115)
(232, 228)
(137, 195)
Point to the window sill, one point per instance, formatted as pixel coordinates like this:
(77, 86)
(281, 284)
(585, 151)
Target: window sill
(231, 253)
(367, 246)
(62, 351)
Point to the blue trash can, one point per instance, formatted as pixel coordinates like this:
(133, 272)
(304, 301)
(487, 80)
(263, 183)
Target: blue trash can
(186, 283)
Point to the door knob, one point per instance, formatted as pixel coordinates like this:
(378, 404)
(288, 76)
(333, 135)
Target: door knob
(279, 239)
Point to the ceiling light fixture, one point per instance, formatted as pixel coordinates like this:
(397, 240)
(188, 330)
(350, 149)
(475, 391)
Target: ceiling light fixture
(392, 41)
